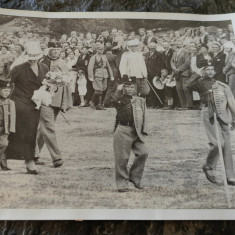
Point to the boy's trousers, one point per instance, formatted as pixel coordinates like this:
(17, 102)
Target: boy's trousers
(125, 140)
(224, 133)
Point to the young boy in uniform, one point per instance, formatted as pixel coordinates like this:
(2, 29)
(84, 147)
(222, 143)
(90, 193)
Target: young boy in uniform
(7, 120)
(129, 135)
(216, 97)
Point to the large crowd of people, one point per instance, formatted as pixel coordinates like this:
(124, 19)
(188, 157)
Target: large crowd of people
(165, 59)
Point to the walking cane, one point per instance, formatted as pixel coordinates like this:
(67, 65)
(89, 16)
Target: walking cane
(154, 91)
(222, 161)
(64, 118)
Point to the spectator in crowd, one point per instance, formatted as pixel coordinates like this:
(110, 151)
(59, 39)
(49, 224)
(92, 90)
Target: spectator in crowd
(230, 31)
(99, 71)
(82, 64)
(203, 57)
(219, 34)
(112, 85)
(180, 64)
(143, 35)
(150, 37)
(71, 64)
(211, 39)
(154, 64)
(117, 42)
(203, 35)
(187, 38)
(72, 35)
(218, 59)
(132, 64)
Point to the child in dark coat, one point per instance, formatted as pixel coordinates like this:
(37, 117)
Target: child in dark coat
(7, 120)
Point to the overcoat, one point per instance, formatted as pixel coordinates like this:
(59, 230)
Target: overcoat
(22, 143)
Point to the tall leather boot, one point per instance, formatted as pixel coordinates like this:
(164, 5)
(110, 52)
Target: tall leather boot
(94, 101)
(4, 164)
(100, 105)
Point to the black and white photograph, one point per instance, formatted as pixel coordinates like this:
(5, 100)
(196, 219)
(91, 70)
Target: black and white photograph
(116, 112)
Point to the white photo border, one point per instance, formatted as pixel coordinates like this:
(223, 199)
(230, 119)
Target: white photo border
(118, 214)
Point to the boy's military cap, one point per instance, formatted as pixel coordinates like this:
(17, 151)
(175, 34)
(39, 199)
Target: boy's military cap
(5, 84)
(128, 80)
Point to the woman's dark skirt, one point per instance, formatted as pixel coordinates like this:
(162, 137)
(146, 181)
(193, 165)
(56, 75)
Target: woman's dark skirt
(22, 143)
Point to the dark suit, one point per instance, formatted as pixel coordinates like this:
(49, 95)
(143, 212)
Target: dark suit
(166, 60)
(22, 143)
(108, 39)
(201, 61)
(112, 85)
(153, 39)
(82, 64)
(205, 39)
(181, 62)
(144, 39)
(154, 65)
(219, 63)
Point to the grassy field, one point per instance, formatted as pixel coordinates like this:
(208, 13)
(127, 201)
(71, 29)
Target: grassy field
(173, 176)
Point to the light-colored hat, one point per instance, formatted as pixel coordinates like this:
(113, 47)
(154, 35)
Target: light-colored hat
(152, 44)
(34, 51)
(228, 45)
(134, 42)
(158, 83)
(216, 43)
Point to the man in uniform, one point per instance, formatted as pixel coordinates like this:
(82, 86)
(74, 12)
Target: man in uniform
(216, 97)
(132, 64)
(129, 135)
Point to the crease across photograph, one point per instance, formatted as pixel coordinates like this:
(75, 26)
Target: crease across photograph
(117, 115)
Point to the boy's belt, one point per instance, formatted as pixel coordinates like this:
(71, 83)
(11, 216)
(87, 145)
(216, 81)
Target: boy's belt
(132, 124)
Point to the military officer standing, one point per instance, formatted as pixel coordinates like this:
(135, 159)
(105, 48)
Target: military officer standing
(216, 97)
(129, 135)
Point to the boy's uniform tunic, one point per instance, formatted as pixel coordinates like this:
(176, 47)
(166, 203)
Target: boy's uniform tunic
(7, 124)
(214, 96)
(129, 135)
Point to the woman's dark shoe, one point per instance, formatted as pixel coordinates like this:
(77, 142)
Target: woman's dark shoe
(32, 172)
(4, 167)
(38, 162)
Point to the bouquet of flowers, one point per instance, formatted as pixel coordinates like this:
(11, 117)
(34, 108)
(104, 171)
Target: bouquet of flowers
(50, 85)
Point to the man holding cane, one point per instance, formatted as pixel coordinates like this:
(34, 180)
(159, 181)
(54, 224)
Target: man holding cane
(217, 113)
(132, 64)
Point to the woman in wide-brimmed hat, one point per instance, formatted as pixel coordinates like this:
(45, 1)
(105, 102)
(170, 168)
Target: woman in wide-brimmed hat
(27, 78)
